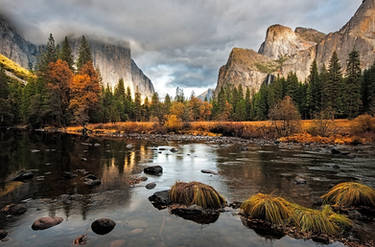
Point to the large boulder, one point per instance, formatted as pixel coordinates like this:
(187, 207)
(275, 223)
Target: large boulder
(46, 222)
(103, 226)
(154, 170)
(23, 175)
(195, 213)
(160, 199)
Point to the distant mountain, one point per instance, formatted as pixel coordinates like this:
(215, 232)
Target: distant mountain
(208, 94)
(298, 49)
(113, 60)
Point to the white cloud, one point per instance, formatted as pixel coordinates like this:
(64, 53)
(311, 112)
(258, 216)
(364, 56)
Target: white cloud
(177, 41)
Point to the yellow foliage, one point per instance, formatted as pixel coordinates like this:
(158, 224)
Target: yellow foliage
(350, 194)
(196, 193)
(173, 122)
(15, 68)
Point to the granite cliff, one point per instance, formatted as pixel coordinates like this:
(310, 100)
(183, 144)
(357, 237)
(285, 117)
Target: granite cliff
(285, 50)
(113, 59)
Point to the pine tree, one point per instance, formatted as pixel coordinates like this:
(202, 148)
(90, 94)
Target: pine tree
(352, 93)
(314, 91)
(48, 56)
(368, 89)
(120, 90)
(66, 54)
(84, 55)
(137, 105)
(180, 95)
(332, 97)
(248, 104)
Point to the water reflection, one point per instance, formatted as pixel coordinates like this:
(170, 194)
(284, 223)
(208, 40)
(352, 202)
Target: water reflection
(267, 169)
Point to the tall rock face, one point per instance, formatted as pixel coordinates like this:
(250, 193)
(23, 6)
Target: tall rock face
(15, 47)
(285, 51)
(113, 60)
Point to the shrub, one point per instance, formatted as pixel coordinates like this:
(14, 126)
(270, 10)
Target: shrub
(350, 194)
(363, 124)
(267, 207)
(285, 117)
(196, 193)
(173, 123)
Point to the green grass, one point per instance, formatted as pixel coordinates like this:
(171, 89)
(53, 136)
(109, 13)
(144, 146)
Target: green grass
(15, 68)
(196, 193)
(350, 194)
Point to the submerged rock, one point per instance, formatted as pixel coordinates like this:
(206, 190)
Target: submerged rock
(3, 234)
(23, 175)
(153, 170)
(150, 186)
(92, 182)
(299, 180)
(195, 213)
(209, 172)
(103, 226)
(174, 150)
(160, 199)
(263, 228)
(46, 222)
(14, 209)
(69, 175)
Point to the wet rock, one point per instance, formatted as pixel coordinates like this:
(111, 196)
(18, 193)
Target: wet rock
(46, 222)
(47, 173)
(195, 213)
(96, 145)
(209, 172)
(47, 164)
(69, 175)
(3, 234)
(235, 205)
(23, 175)
(322, 238)
(91, 176)
(40, 178)
(174, 150)
(103, 226)
(84, 159)
(263, 228)
(160, 200)
(35, 150)
(150, 186)
(335, 151)
(129, 146)
(299, 180)
(153, 170)
(80, 240)
(336, 167)
(14, 209)
(92, 182)
(162, 148)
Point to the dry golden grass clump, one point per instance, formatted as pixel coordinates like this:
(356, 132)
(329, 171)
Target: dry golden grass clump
(267, 207)
(195, 193)
(277, 210)
(319, 221)
(350, 194)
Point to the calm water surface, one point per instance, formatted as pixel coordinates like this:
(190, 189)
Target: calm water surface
(267, 169)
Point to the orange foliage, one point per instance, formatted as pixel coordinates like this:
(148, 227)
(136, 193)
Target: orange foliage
(85, 93)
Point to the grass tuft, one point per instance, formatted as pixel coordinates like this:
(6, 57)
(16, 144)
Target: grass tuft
(267, 207)
(196, 193)
(350, 194)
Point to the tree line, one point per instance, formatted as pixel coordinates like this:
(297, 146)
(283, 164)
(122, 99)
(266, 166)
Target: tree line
(67, 92)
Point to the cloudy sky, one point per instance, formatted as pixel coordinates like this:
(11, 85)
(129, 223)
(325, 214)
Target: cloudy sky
(176, 42)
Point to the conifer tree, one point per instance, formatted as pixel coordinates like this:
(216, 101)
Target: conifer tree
(332, 90)
(84, 55)
(314, 91)
(137, 105)
(352, 91)
(368, 90)
(66, 54)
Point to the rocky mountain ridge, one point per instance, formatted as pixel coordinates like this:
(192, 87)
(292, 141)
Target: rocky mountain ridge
(113, 60)
(285, 51)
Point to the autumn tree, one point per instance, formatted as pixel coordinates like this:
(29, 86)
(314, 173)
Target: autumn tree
(58, 84)
(85, 92)
(285, 117)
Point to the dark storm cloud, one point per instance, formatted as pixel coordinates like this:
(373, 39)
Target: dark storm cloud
(176, 42)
